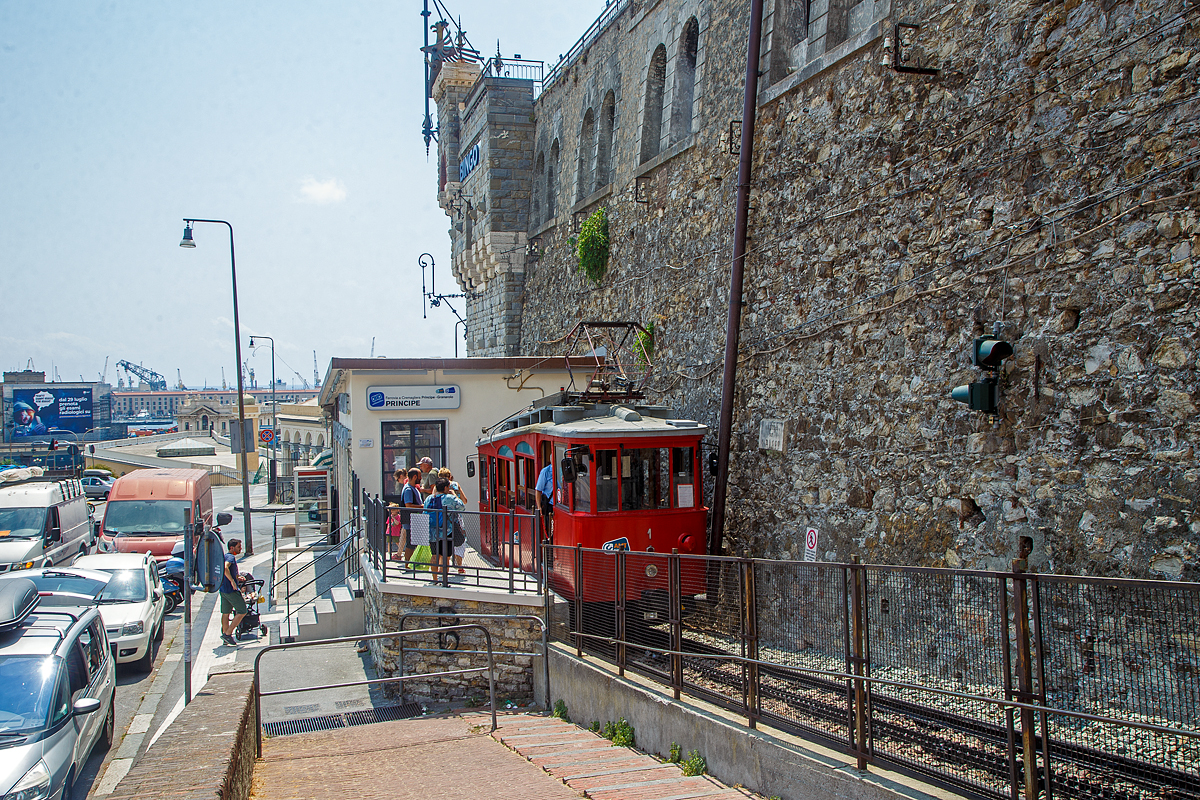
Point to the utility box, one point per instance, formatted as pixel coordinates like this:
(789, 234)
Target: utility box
(311, 488)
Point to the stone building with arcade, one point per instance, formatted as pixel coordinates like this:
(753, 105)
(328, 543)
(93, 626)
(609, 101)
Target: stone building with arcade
(924, 174)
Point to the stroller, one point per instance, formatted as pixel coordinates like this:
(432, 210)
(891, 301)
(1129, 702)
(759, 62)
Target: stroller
(252, 594)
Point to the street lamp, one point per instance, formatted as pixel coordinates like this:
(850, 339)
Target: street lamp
(237, 344)
(273, 488)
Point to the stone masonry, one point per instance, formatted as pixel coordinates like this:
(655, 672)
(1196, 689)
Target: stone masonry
(1042, 182)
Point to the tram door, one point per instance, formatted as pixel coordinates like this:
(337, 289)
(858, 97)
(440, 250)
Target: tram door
(492, 531)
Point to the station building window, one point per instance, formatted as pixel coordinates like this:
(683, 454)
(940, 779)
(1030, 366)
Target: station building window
(406, 443)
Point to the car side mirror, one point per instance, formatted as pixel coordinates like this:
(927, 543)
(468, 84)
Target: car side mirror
(713, 464)
(96, 527)
(568, 471)
(224, 518)
(470, 469)
(158, 594)
(85, 705)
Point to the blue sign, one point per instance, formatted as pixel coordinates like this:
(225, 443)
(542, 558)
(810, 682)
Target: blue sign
(468, 164)
(39, 412)
(616, 545)
(375, 399)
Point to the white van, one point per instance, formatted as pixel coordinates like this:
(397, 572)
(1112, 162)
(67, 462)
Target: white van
(43, 522)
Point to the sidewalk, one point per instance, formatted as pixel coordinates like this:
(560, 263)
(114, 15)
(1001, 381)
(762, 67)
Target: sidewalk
(529, 757)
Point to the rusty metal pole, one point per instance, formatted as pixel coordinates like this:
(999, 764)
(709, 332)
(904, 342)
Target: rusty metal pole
(734, 323)
(1025, 679)
(676, 621)
(860, 704)
(751, 633)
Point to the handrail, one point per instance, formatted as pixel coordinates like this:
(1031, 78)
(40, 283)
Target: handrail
(259, 693)
(322, 542)
(539, 620)
(288, 591)
(849, 676)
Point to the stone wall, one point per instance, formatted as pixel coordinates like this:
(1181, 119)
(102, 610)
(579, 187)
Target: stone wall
(514, 675)
(1042, 182)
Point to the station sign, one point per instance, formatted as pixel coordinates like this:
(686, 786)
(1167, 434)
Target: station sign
(404, 398)
(469, 162)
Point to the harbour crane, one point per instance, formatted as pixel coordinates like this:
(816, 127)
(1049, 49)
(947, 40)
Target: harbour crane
(155, 381)
(179, 384)
(104, 372)
(316, 374)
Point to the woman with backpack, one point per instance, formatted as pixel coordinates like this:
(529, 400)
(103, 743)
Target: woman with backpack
(441, 506)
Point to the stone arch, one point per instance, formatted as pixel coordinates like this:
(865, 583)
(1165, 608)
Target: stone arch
(287, 437)
(308, 440)
(539, 189)
(320, 440)
(204, 422)
(685, 81)
(187, 426)
(656, 77)
(587, 153)
(552, 181)
(604, 142)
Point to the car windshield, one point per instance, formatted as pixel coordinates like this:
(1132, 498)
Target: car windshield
(66, 583)
(21, 523)
(146, 517)
(126, 586)
(28, 683)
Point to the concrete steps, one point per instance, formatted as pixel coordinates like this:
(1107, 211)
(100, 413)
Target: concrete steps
(337, 613)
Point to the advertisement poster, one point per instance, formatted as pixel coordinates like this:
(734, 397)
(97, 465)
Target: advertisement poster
(43, 412)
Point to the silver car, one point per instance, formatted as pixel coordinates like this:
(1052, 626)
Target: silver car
(57, 684)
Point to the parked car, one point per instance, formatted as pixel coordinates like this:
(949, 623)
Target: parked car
(57, 685)
(132, 609)
(97, 488)
(133, 603)
(46, 521)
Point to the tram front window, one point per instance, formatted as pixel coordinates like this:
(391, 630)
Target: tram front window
(606, 480)
(683, 464)
(583, 483)
(645, 481)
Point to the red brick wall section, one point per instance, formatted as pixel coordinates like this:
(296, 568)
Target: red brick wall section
(207, 753)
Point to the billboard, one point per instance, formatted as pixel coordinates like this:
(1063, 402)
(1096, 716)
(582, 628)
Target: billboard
(43, 412)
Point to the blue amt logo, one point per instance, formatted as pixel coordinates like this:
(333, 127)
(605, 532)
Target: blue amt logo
(375, 400)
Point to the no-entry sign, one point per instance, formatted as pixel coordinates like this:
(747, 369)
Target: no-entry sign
(810, 545)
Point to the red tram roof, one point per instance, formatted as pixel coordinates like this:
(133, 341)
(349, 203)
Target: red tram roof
(596, 421)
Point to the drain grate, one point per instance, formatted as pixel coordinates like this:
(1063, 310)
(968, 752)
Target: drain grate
(367, 716)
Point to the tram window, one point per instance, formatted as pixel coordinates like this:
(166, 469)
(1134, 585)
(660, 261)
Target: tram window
(484, 496)
(607, 480)
(684, 466)
(560, 496)
(505, 493)
(645, 481)
(583, 483)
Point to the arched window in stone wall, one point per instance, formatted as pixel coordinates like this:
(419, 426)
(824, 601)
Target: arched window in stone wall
(656, 77)
(539, 189)
(685, 81)
(587, 152)
(604, 142)
(552, 182)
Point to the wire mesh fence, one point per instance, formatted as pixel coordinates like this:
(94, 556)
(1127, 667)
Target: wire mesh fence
(964, 677)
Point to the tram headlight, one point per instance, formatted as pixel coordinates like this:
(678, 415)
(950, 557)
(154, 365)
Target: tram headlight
(651, 571)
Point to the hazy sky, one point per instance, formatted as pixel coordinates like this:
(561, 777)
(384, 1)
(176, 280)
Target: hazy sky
(299, 122)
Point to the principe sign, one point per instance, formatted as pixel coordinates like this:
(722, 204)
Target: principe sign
(402, 398)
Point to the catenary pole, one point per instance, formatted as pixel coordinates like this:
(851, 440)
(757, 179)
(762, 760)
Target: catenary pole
(725, 426)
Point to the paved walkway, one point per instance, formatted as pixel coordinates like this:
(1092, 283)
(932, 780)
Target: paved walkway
(453, 756)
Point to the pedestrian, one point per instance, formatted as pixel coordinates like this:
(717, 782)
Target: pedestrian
(429, 475)
(440, 507)
(410, 497)
(233, 605)
(460, 535)
(394, 532)
(544, 492)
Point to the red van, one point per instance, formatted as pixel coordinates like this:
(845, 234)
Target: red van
(149, 509)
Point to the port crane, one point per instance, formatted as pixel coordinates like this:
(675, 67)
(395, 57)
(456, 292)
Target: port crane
(154, 380)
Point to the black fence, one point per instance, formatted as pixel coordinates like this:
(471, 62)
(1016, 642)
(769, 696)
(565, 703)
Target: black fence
(497, 551)
(995, 684)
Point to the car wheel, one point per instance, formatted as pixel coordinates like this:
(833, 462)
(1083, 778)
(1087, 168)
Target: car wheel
(146, 662)
(108, 733)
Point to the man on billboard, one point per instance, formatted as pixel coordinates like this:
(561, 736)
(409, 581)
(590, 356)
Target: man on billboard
(26, 420)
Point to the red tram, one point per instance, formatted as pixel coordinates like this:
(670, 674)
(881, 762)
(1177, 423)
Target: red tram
(625, 477)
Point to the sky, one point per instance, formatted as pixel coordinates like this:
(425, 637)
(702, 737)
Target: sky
(298, 122)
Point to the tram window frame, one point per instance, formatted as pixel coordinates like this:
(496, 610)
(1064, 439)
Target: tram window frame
(562, 500)
(505, 493)
(484, 494)
(647, 469)
(608, 480)
(678, 461)
(526, 480)
(581, 501)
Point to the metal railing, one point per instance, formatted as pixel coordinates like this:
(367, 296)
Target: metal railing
(961, 677)
(517, 69)
(259, 693)
(506, 542)
(347, 552)
(611, 11)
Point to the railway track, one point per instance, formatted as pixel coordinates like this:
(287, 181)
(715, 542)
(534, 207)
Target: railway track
(938, 743)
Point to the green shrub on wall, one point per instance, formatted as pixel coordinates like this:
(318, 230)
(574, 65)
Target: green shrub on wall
(592, 246)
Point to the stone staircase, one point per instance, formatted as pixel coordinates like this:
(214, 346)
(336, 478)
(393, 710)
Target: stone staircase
(337, 613)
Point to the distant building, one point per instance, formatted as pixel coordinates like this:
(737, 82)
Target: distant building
(128, 403)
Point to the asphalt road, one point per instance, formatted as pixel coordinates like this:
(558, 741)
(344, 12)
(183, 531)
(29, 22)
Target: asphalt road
(146, 701)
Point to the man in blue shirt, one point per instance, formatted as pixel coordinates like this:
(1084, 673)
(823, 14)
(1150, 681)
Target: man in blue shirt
(233, 605)
(545, 498)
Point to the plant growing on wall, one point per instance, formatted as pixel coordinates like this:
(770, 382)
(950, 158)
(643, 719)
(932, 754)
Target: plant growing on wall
(643, 349)
(592, 245)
